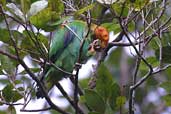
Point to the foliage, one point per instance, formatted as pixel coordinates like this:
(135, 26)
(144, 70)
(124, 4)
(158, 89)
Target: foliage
(135, 63)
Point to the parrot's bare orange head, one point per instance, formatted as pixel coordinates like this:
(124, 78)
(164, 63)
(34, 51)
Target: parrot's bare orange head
(102, 34)
(101, 38)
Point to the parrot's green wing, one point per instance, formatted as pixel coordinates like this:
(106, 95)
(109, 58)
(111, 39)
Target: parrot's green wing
(64, 50)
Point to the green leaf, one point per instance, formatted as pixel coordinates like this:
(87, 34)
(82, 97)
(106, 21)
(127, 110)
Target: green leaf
(118, 9)
(151, 82)
(33, 44)
(140, 93)
(114, 58)
(6, 93)
(84, 82)
(153, 44)
(82, 99)
(16, 96)
(152, 61)
(56, 5)
(104, 82)
(94, 101)
(11, 110)
(2, 112)
(3, 2)
(166, 39)
(16, 11)
(10, 94)
(81, 11)
(17, 82)
(96, 10)
(167, 99)
(50, 14)
(41, 19)
(37, 7)
(109, 110)
(166, 55)
(115, 93)
(120, 101)
(27, 44)
(25, 6)
(168, 72)
(166, 85)
(115, 27)
(131, 26)
(5, 37)
(9, 67)
(138, 4)
(144, 68)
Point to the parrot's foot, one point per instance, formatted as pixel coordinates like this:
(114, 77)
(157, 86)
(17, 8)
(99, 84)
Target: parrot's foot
(95, 46)
(39, 93)
(78, 65)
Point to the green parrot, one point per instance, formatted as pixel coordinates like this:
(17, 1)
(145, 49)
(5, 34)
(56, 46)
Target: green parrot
(64, 51)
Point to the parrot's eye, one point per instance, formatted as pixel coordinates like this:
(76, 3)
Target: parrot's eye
(90, 47)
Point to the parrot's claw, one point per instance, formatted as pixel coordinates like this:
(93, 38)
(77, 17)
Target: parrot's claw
(78, 65)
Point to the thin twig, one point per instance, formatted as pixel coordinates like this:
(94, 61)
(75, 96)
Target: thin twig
(8, 54)
(76, 76)
(6, 103)
(36, 110)
(69, 28)
(155, 20)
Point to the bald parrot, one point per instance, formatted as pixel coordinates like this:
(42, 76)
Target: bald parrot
(65, 46)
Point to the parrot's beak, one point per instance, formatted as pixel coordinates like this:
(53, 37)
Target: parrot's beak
(91, 50)
(95, 46)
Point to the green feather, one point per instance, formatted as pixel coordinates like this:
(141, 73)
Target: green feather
(64, 50)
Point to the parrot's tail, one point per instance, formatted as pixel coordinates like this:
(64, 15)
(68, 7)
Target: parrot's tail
(39, 93)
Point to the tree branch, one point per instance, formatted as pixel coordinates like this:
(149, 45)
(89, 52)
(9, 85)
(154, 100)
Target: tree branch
(37, 110)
